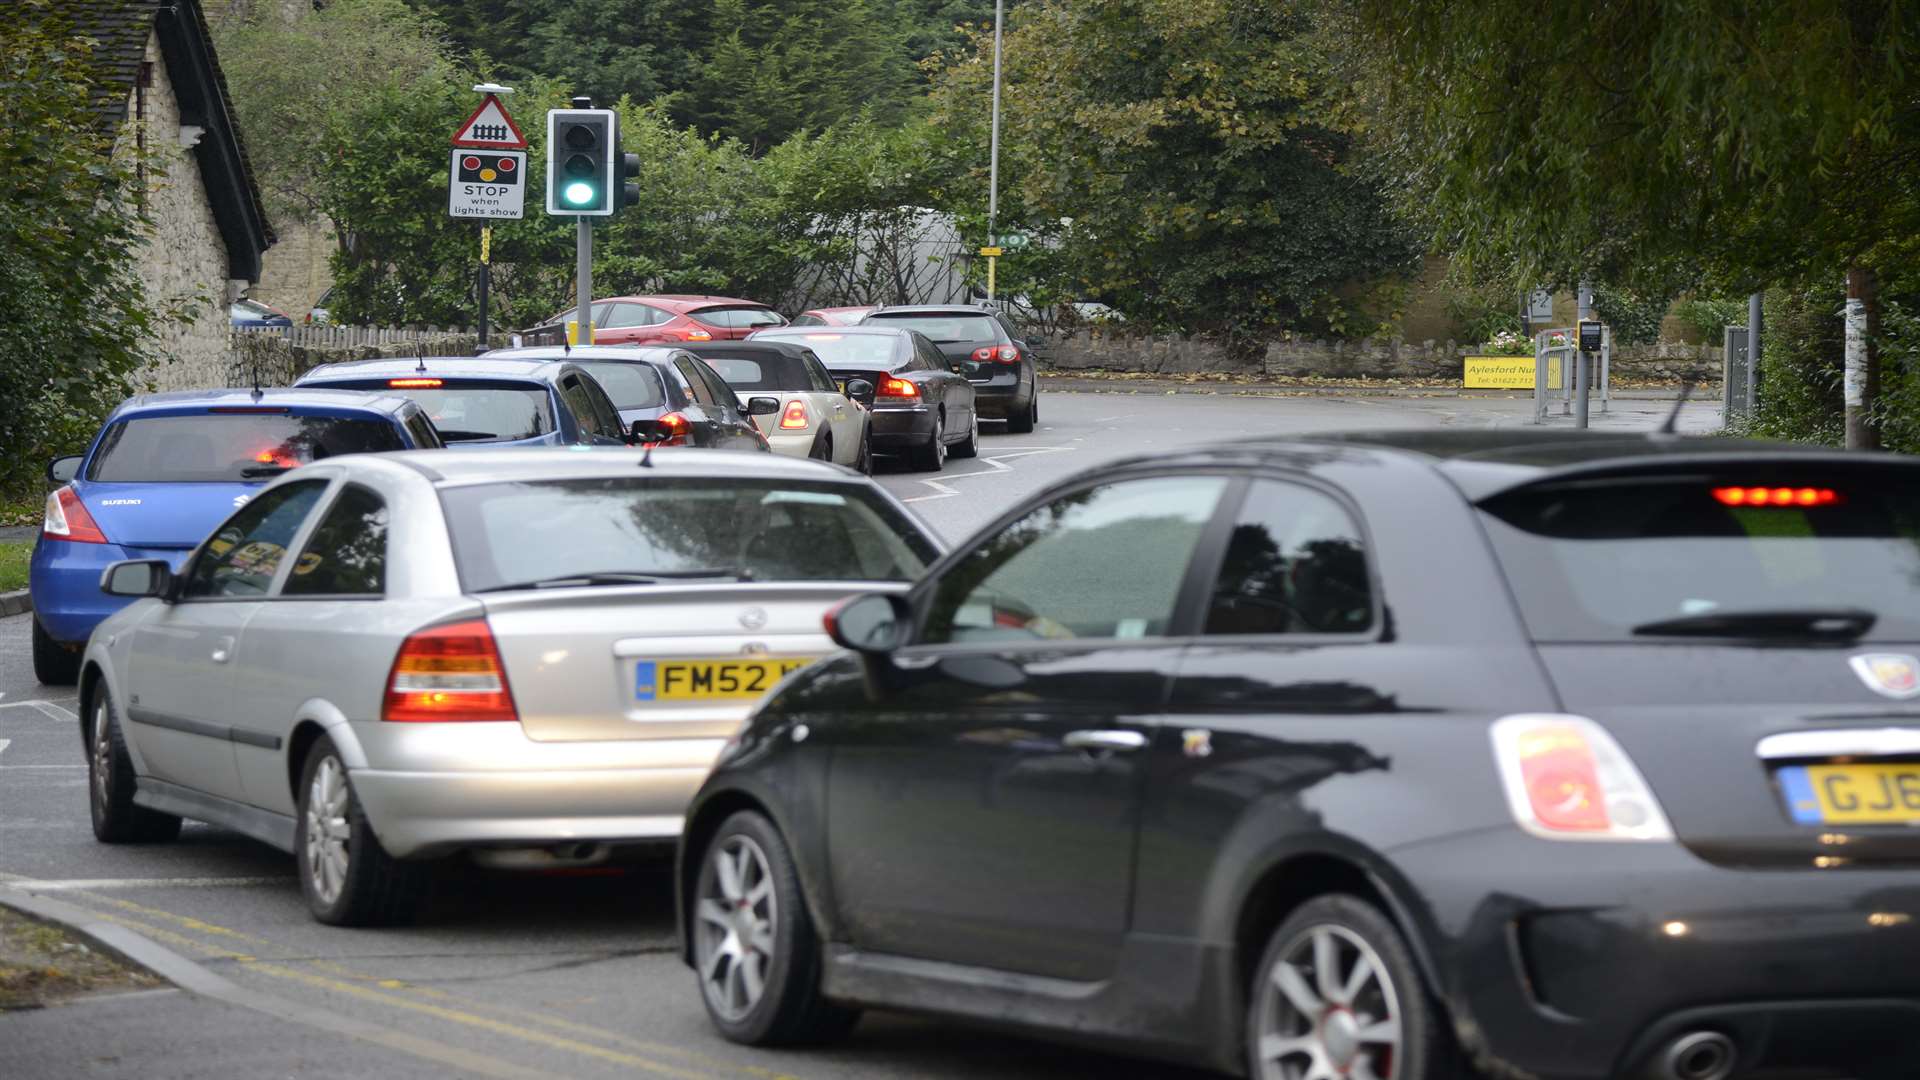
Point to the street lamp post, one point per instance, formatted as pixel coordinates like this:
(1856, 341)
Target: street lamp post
(993, 147)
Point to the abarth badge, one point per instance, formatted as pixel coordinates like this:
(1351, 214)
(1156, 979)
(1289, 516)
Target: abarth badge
(753, 618)
(1891, 674)
(1197, 742)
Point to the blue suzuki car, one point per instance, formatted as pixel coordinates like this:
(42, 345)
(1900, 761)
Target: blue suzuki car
(164, 470)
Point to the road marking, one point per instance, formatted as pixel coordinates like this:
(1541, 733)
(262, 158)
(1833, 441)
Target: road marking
(45, 708)
(996, 464)
(71, 884)
(3, 744)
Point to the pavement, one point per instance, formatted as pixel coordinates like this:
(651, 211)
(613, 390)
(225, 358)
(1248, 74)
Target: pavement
(528, 975)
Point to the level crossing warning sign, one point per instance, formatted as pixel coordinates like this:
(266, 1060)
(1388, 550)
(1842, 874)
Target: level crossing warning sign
(490, 128)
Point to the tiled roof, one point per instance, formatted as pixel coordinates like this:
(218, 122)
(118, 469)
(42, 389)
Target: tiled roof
(122, 28)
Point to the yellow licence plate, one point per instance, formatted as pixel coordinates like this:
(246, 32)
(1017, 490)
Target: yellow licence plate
(1875, 794)
(709, 680)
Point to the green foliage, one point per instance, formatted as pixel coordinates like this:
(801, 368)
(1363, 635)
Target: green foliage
(1800, 367)
(1634, 317)
(1483, 314)
(75, 323)
(1195, 156)
(1709, 316)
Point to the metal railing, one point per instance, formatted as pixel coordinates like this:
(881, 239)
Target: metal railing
(1547, 357)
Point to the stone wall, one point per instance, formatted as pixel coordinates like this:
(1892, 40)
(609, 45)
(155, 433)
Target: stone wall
(268, 359)
(1427, 361)
(295, 271)
(186, 261)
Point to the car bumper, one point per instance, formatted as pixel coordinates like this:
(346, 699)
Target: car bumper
(901, 428)
(429, 789)
(1579, 960)
(64, 579)
(997, 401)
(792, 444)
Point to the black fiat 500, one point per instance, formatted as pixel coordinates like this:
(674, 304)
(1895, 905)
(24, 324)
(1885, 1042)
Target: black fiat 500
(1399, 756)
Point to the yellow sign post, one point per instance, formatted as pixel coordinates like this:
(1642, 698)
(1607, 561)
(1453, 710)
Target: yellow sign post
(1507, 373)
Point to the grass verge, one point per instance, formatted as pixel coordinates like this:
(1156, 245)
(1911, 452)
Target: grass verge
(13, 564)
(41, 964)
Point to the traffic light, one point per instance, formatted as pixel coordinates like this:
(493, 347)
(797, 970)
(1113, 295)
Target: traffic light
(582, 152)
(629, 168)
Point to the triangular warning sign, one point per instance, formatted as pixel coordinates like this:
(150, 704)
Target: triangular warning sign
(490, 128)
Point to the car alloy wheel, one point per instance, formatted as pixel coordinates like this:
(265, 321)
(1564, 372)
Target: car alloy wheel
(327, 831)
(735, 924)
(102, 758)
(1328, 1009)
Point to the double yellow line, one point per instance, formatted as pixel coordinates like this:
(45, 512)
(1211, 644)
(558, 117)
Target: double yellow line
(211, 941)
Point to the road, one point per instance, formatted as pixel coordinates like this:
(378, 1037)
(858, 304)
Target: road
(518, 976)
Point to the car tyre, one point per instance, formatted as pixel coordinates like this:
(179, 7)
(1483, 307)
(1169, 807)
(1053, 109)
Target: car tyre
(970, 448)
(864, 462)
(346, 876)
(933, 456)
(53, 663)
(1337, 988)
(1025, 421)
(110, 784)
(750, 925)
(822, 450)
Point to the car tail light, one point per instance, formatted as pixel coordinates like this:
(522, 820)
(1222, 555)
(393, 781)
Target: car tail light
(1004, 354)
(67, 519)
(677, 428)
(693, 333)
(414, 384)
(796, 415)
(900, 388)
(1777, 496)
(449, 673)
(1567, 779)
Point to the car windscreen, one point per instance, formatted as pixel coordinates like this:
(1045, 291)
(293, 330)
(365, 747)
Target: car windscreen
(218, 447)
(863, 351)
(766, 372)
(1660, 557)
(946, 329)
(474, 410)
(750, 317)
(631, 386)
(507, 534)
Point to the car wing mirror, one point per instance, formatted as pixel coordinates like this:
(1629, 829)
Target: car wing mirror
(860, 390)
(762, 406)
(137, 577)
(62, 469)
(872, 624)
(647, 431)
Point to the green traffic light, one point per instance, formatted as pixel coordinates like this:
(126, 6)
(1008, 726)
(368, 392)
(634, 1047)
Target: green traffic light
(577, 193)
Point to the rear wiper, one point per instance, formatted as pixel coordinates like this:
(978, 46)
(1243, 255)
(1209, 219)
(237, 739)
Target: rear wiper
(253, 472)
(618, 577)
(1843, 624)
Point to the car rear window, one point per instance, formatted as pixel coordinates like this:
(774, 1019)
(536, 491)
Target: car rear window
(631, 386)
(1596, 559)
(867, 351)
(228, 447)
(760, 373)
(475, 410)
(512, 533)
(946, 329)
(753, 317)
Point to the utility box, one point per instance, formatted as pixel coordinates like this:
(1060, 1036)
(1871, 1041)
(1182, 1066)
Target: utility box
(1736, 386)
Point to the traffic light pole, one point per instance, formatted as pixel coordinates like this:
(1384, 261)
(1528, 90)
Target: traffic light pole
(583, 275)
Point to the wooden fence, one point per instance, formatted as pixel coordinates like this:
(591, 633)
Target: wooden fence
(350, 337)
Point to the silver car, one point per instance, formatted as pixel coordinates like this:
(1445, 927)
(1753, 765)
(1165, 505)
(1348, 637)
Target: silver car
(531, 655)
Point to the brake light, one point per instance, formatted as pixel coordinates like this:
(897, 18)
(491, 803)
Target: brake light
(1567, 779)
(446, 673)
(1005, 354)
(677, 428)
(901, 388)
(796, 415)
(414, 384)
(695, 334)
(1777, 496)
(67, 519)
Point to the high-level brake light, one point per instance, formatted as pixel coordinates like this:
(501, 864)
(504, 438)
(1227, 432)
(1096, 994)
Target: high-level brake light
(451, 672)
(414, 384)
(67, 519)
(1777, 496)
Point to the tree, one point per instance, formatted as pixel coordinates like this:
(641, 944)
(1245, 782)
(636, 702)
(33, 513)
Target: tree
(1655, 143)
(76, 325)
(1193, 154)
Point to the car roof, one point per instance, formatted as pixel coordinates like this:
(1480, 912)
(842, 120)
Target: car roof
(779, 332)
(457, 467)
(839, 310)
(293, 396)
(459, 366)
(649, 354)
(932, 309)
(749, 348)
(681, 303)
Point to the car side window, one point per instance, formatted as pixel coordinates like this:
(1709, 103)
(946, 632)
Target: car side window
(930, 356)
(241, 557)
(817, 376)
(1103, 562)
(1295, 564)
(807, 320)
(347, 553)
(622, 315)
(425, 435)
(604, 412)
(696, 383)
(580, 405)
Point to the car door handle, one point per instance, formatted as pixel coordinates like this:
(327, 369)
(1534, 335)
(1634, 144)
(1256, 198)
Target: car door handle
(1104, 740)
(222, 650)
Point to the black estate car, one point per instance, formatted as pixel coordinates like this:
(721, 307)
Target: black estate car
(921, 405)
(982, 343)
(1399, 756)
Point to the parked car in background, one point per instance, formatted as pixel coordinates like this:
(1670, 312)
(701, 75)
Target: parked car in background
(815, 419)
(254, 315)
(164, 469)
(655, 320)
(529, 656)
(490, 403)
(320, 314)
(675, 397)
(1415, 755)
(832, 316)
(922, 406)
(999, 365)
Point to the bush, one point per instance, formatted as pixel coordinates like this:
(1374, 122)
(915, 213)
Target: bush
(1801, 353)
(1482, 315)
(1635, 319)
(1707, 317)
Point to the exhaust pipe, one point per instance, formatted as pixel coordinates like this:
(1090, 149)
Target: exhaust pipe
(556, 857)
(1698, 1055)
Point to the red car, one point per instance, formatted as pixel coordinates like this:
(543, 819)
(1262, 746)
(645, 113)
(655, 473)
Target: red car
(832, 316)
(650, 320)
